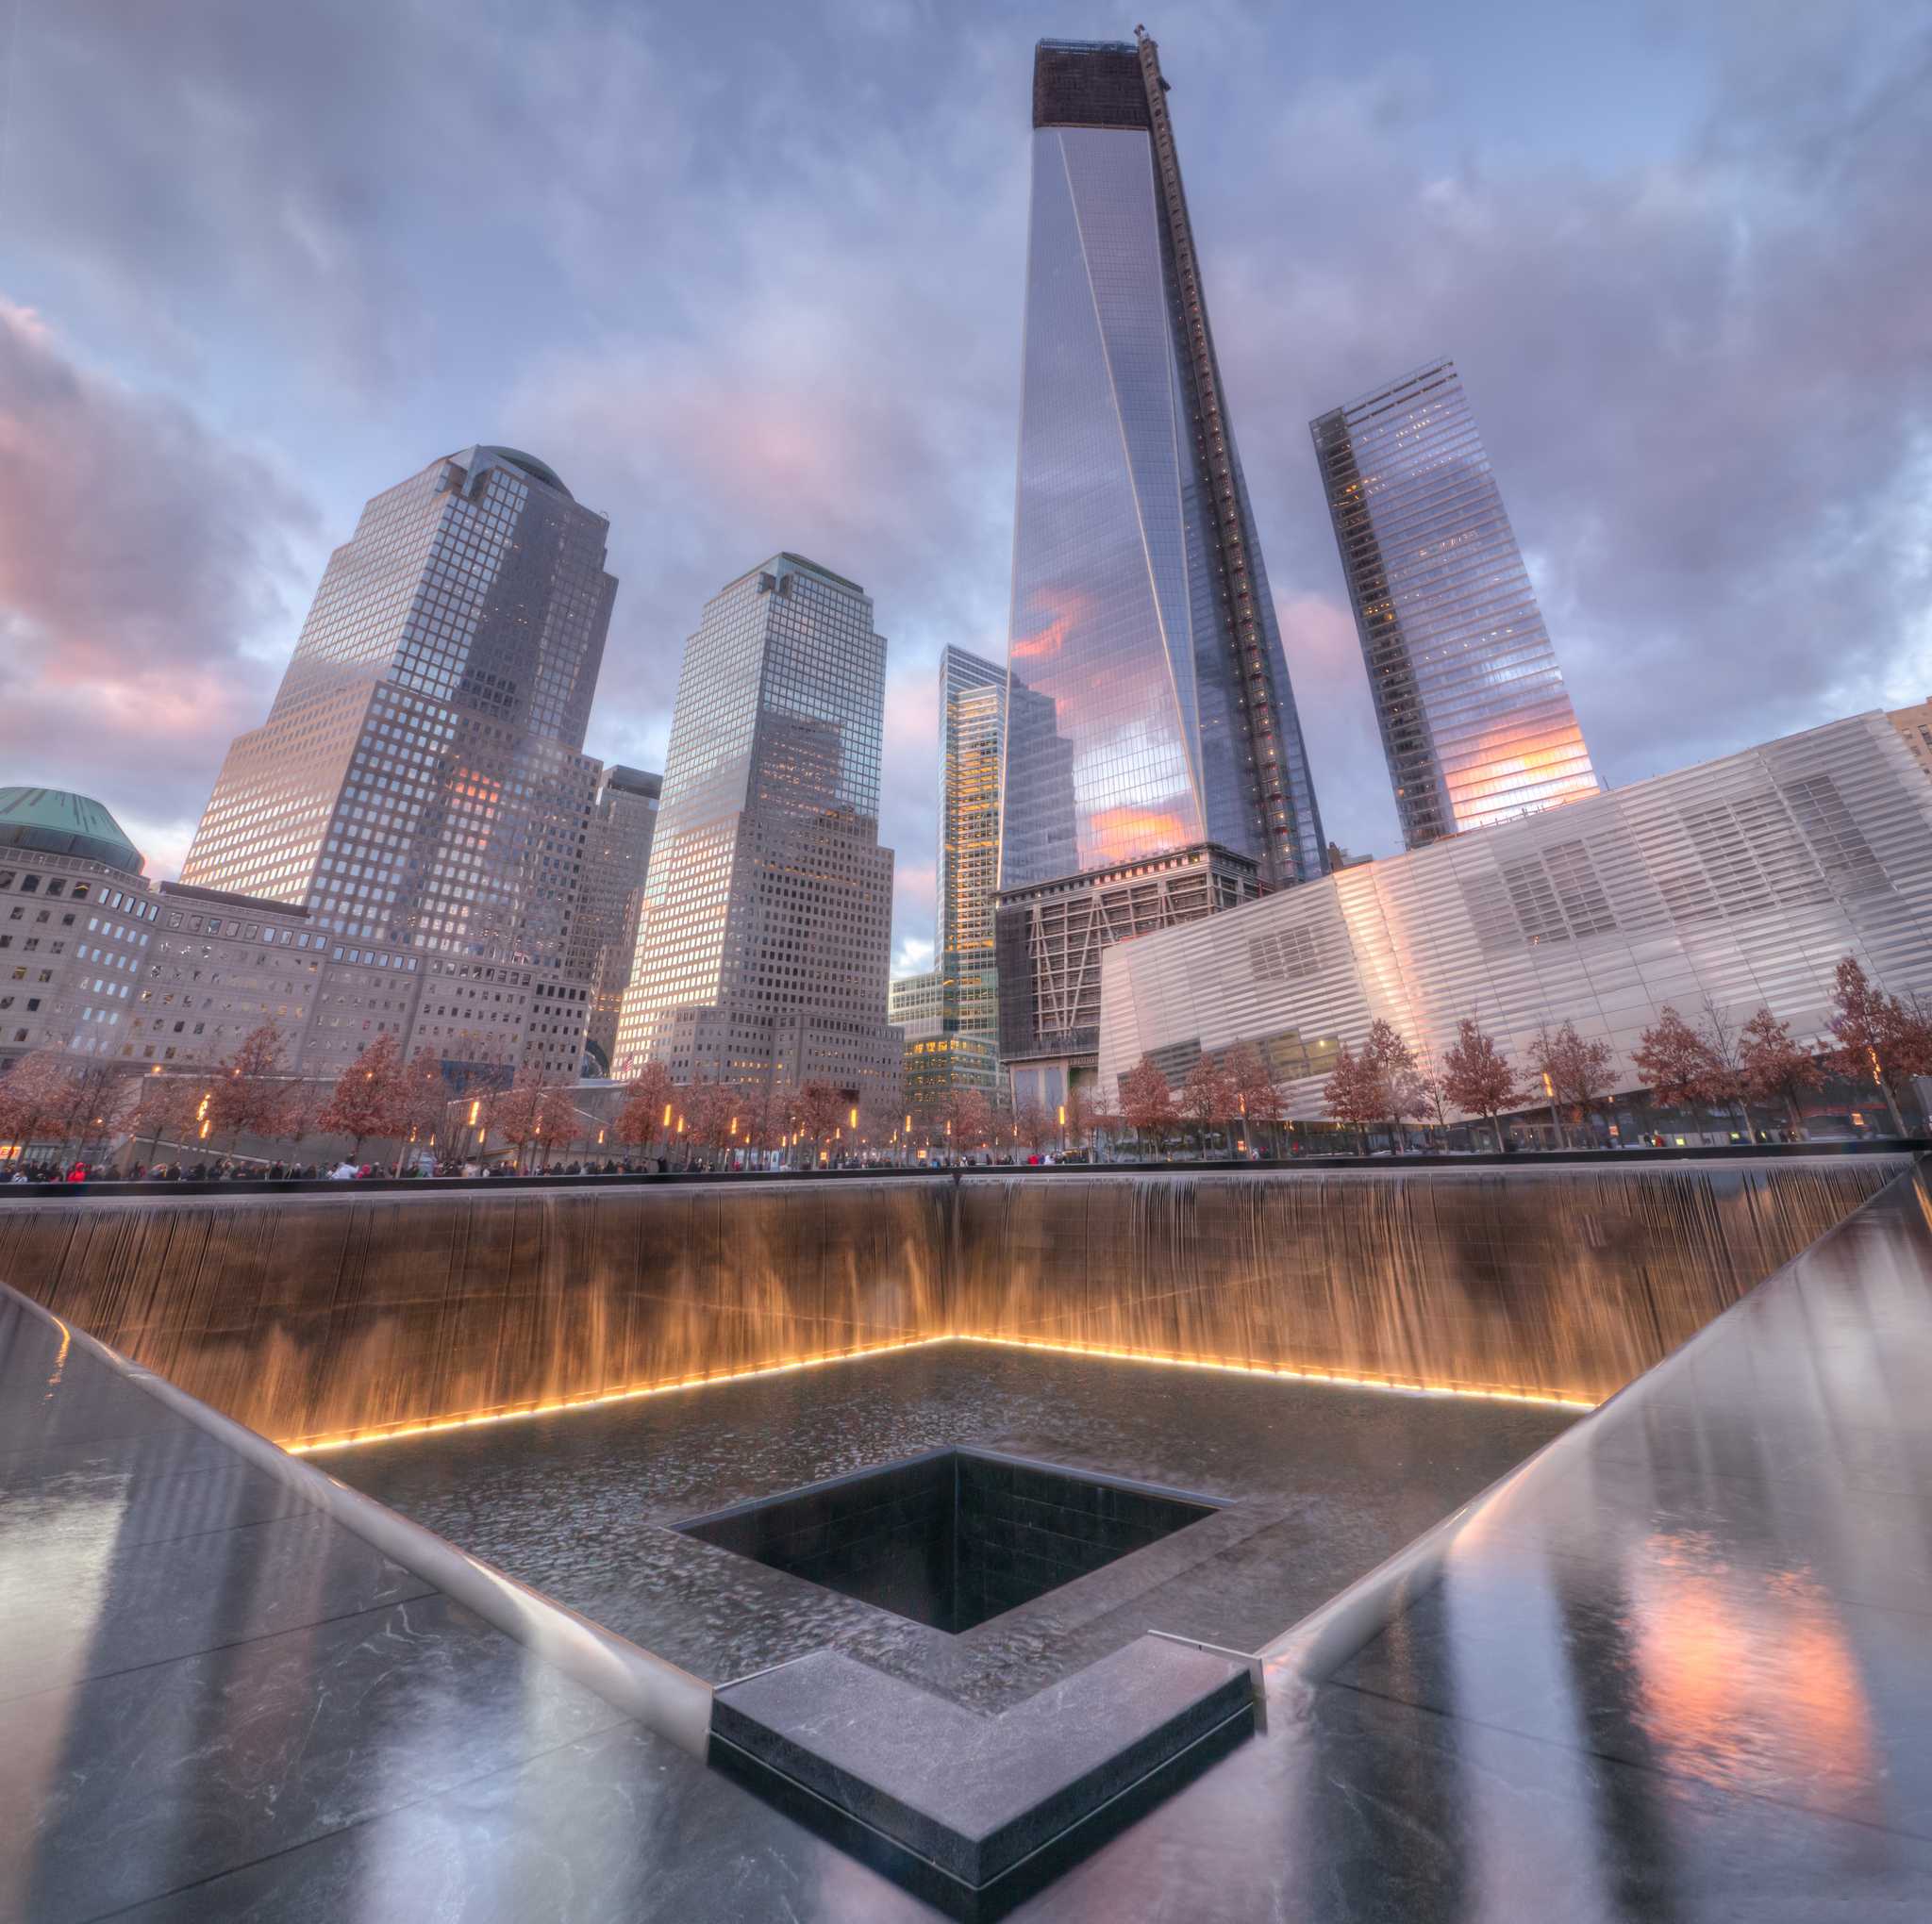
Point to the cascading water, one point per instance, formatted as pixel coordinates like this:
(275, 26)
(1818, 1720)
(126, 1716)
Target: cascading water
(318, 1316)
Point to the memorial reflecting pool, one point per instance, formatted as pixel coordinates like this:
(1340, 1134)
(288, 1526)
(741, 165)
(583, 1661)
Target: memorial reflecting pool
(1231, 1643)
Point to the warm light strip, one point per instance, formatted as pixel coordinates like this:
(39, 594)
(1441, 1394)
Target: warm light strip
(1290, 1369)
(311, 1445)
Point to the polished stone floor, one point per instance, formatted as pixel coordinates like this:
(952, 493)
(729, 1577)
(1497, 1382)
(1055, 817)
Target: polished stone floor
(1318, 1485)
(1677, 1669)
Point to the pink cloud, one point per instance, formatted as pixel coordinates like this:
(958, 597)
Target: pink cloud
(140, 558)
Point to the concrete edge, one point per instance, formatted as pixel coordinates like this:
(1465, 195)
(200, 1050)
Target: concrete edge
(1320, 1163)
(1314, 1649)
(647, 1688)
(934, 1820)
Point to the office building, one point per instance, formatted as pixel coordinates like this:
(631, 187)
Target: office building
(950, 1014)
(1745, 880)
(604, 938)
(1475, 721)
(1150, 710)
(764, 942)
(1914, 725)
(1054, 935)
(973, 738)
(949, 1022)
(1141, 604)
(101, 965)
(420, 783)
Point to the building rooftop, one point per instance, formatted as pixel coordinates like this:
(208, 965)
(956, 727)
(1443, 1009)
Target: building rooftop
(818, 567)
(227, 898)
(1089, 84)
(63, 824)
(540, 471)
(633, 781)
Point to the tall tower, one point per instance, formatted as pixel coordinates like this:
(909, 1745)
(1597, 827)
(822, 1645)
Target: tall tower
(950, 1015)
(1151, 716)
(604, 938)
(972, 735)
(1476, 723)
(1141, 603)
(764, 944)
(421, 777)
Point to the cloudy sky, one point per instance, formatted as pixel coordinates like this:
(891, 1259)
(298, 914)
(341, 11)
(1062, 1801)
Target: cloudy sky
(749, 276)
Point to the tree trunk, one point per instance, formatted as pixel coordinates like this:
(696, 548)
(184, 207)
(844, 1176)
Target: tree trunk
(1898, 1122)
(1556, 1125)
(1744, 1117)
(1795, 1116)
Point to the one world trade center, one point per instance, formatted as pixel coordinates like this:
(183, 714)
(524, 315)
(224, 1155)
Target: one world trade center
(1153, 749)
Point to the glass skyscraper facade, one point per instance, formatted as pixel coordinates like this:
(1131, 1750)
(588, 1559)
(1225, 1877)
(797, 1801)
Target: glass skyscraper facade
(764, 942)
(1150, 708)
(1475, 721)
(1151, 730)
(972, 735)
(604, 938)
(950, 1015)
(421, 779)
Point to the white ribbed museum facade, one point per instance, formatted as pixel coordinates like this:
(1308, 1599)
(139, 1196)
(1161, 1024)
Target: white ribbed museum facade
(1745, 879)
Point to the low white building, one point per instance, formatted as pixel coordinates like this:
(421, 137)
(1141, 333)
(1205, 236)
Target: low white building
(1745, 880)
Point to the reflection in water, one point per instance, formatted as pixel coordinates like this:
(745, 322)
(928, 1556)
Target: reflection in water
(60, 1360)
(1747, 1684)
(1508, 1873)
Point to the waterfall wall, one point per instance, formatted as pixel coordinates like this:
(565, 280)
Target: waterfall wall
(314, 1315)
(306, 1315)
(1559, 1279)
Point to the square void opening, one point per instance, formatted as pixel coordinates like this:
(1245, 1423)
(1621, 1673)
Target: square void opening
(953, 1539)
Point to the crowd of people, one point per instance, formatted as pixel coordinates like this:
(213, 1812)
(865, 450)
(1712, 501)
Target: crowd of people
(227, 1169)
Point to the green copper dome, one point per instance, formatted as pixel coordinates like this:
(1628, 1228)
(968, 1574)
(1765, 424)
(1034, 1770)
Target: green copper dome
(63, 824)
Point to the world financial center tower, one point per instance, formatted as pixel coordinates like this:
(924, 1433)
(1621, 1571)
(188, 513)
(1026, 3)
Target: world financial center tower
(1153, 745)
(764, 942)
(420, 780)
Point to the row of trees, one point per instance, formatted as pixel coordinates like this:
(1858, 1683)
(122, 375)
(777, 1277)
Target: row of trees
(659, 1115)
(1385, 1084)
(379, 1098)
(1233, 1091)
(1714, 1062)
